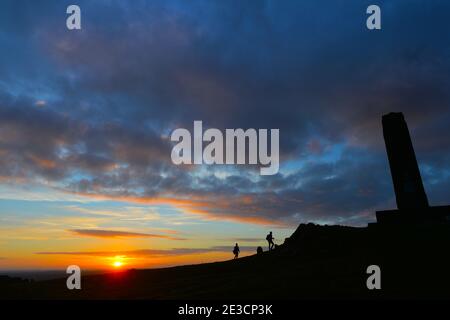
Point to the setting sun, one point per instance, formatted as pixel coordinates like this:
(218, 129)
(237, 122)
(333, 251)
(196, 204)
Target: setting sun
(117, 261)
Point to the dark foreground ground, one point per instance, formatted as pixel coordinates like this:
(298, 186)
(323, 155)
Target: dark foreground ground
(315, 262)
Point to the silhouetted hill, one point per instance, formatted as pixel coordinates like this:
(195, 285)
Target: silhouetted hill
(315, 262)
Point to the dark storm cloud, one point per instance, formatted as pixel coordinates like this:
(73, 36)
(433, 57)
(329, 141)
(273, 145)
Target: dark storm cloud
(136, 71)
(344, 191)
(37, 141)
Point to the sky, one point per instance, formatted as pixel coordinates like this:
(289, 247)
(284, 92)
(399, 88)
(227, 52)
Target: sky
(86, 176)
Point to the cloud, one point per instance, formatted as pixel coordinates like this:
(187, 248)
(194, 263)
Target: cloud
(246, 239)
(150, 252)
(119, 234)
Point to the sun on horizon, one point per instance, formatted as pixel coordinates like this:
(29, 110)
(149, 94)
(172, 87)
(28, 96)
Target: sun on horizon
(117, 262)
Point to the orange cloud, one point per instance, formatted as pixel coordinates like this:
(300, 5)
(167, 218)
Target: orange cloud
(44, 163)
(149, 252)
(212, 208)
(119, 234)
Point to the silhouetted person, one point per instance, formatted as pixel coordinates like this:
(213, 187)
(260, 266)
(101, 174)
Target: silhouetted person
(236, 251)
(259, 250)
(269, 239)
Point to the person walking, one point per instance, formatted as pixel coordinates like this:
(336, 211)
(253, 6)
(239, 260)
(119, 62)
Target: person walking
(270, 239)
(236, 251)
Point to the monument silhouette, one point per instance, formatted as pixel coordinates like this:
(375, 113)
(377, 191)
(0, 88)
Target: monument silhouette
(412, 201)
